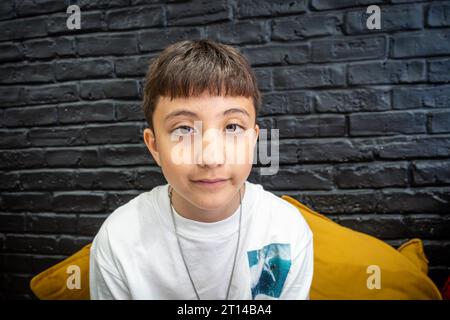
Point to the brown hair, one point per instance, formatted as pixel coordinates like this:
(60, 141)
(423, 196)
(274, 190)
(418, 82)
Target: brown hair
(189, 68)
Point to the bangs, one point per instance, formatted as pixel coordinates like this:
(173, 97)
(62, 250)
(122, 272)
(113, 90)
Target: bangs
(191, 68)
(208, 70)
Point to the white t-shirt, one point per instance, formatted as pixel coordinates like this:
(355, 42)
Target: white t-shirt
(135, 255)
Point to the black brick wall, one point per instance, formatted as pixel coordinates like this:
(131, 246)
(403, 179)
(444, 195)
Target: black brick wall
(364, 116)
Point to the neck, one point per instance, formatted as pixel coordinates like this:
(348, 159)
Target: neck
(190, 211)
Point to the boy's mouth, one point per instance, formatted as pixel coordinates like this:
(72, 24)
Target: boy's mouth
(211, 182)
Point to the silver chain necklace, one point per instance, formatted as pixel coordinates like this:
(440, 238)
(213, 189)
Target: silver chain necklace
(181, 251)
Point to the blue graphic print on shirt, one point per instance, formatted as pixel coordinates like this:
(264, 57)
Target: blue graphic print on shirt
(269, 268)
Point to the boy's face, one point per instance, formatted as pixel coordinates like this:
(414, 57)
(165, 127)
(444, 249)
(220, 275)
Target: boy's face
(204, 138)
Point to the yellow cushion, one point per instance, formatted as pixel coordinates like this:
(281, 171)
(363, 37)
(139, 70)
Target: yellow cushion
(413, 250)
(51, 284)
(341, 259)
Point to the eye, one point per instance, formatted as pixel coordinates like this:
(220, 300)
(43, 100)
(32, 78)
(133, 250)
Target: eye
(183, 130)
(233, 128)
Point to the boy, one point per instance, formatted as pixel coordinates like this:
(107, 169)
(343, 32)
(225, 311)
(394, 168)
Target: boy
(208, 233)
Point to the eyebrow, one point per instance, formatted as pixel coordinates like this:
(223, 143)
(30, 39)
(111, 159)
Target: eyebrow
(193, 114)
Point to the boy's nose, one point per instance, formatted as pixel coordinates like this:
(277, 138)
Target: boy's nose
(212, 149)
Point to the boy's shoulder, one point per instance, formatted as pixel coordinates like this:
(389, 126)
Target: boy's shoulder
(131, 208)
(278, 207)
(124, 223)
(278, 221)
(280, 214)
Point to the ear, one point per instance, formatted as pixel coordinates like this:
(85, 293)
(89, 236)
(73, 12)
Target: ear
(150, 141)
(256, 133)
